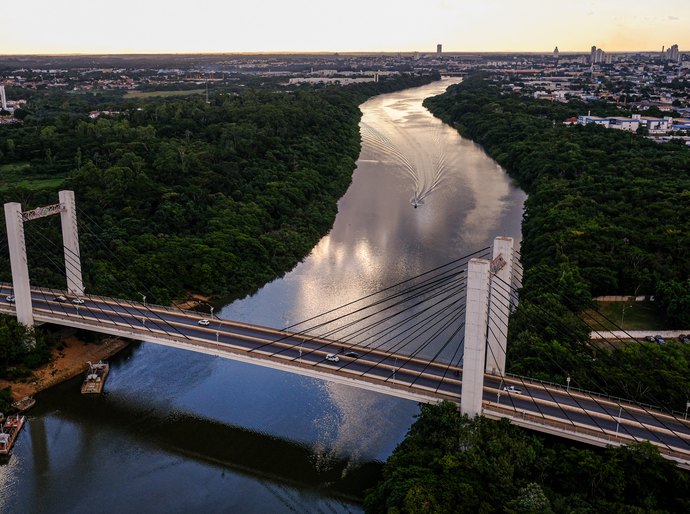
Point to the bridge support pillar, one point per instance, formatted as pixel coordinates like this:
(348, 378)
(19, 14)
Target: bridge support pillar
(18, 263)
(70, 241)
(502, 274)
(476, 311)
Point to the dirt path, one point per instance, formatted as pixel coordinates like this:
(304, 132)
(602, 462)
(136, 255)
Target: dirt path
(67, 363)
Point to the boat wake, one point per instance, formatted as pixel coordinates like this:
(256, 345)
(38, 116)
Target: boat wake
(426, 169)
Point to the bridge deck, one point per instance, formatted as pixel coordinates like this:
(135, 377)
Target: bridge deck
(545, 408)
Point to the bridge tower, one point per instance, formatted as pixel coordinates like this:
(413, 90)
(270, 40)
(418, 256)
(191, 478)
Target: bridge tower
(488, 284)
(499, 310)
(14, 221)
(476, 315)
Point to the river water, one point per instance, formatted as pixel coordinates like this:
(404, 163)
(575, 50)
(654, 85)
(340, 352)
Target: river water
(178, 431)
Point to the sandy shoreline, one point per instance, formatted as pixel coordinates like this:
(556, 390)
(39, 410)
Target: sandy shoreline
(66, 363)
(72, 359)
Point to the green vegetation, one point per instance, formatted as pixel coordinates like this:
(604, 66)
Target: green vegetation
(607, 213)
(151, 94)
(17, 359)
(627, 315)
(448, 463)
(17, 175)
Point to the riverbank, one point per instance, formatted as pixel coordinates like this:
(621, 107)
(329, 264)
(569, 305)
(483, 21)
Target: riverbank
(69, 360)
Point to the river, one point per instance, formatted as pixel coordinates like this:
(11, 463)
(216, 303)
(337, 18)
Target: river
(178, 431)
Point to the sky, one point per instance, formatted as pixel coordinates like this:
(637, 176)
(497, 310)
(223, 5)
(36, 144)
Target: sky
(192, 26)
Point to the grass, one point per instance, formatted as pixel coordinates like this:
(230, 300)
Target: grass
(14, 167)
(148, 94)
(14, 175)
(636, 316)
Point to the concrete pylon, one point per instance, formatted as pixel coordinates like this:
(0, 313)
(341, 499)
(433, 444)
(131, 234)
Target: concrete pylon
(18, 262)
(70, 242)
(476, 312)
(502, 274)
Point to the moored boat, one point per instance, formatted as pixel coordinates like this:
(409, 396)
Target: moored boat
(24, 404)
(95, 378)
(10, 430)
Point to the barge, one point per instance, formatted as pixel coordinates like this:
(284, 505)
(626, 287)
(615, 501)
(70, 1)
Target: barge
(95, 378)
(10, 430)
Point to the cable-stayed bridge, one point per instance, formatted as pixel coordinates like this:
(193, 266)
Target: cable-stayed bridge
(439, 336)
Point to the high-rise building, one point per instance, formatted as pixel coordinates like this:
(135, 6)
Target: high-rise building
(597, 55)
(439, 49)
(3, 99)
(555, 53)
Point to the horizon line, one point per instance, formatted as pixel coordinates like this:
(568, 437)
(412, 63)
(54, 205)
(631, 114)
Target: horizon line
(323, 52)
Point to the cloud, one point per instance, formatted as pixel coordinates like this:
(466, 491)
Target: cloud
(673, 18)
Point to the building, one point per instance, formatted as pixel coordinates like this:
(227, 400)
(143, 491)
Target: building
(3, 99)
(672, 54)
(597, 55)
(439, 49)
(652, 124)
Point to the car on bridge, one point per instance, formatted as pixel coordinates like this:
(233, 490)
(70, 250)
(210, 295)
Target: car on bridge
(354, 355)
(332, 357)
(512, 389)
(204, 322)
(60, 298)
(78, 301)
(10, 298)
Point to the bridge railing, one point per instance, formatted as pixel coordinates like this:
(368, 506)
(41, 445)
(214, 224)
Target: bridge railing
(602, 435)
(597, 394)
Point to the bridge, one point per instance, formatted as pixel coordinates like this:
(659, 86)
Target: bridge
(479, 386)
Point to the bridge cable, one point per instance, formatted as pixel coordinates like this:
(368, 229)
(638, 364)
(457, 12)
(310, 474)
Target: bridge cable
(419, 290)
(382, 342)
(398, 284)
(542, 386)
(642, 407)
(71, 261)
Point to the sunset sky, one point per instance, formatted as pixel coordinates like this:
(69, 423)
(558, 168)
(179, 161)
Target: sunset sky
(157, 26)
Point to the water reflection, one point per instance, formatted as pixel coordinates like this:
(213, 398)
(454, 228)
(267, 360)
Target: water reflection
(379, 239)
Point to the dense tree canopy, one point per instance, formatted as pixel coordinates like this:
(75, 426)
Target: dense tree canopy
(448, 463)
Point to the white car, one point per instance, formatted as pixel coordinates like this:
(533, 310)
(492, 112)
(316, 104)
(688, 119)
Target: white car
(512, 389)
(204, 322)
(10, 298)
(78, 301)
(332, 357)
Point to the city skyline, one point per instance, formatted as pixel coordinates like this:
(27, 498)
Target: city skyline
(211, 26)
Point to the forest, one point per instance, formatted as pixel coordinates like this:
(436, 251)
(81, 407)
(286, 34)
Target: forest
(449, 463)
(176, 195)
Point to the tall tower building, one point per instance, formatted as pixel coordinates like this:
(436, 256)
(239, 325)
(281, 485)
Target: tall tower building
(593, 55)
(3, 99)
(439, 49)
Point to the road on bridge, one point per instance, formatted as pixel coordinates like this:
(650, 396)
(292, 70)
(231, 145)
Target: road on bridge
(540, 406)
